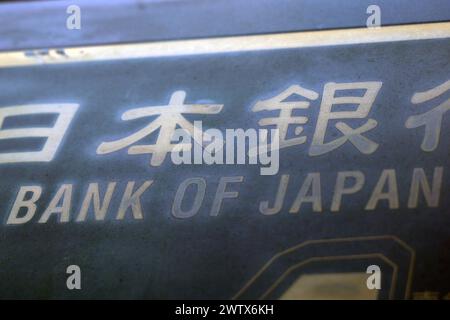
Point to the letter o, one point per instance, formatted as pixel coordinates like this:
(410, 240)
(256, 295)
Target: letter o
(179, 196)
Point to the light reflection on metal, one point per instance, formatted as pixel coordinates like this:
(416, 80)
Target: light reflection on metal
(227, 44)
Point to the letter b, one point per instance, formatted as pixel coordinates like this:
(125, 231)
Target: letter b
(22, 203)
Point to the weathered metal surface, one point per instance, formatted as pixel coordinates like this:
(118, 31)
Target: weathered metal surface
(233, 250)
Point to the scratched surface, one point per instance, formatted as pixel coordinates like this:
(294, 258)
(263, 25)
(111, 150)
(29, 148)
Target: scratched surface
(214, 257)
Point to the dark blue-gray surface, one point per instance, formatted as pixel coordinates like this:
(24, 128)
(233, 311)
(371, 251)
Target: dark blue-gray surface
(213, 257)
(42, 24)
(204, 256)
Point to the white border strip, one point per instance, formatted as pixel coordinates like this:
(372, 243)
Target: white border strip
(227, 44)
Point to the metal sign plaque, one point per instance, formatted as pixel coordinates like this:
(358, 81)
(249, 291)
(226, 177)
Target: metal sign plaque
(126, 161)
